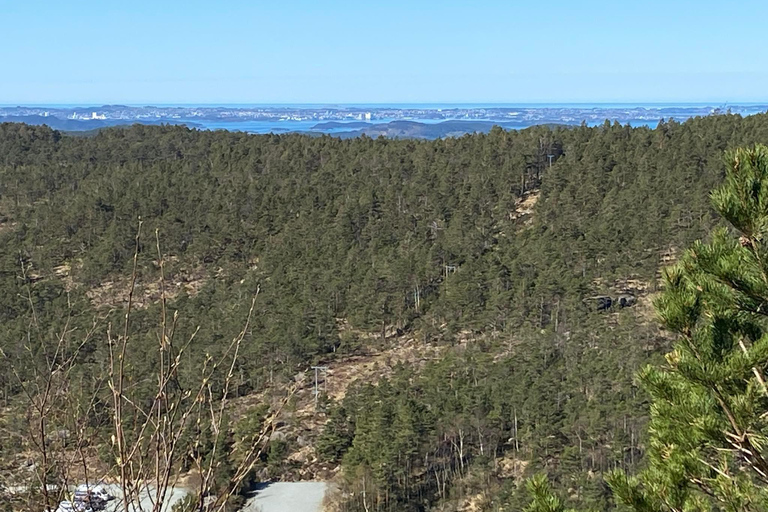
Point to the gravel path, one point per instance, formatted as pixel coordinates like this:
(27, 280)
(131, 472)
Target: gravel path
(174, 494)
(270, 497)
(287, 497)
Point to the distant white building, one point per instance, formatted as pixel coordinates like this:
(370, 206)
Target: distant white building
(367, 116)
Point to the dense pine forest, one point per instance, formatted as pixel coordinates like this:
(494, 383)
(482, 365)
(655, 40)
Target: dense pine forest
(497, 250)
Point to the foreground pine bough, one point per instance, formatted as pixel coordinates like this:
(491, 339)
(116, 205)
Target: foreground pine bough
(709, 409)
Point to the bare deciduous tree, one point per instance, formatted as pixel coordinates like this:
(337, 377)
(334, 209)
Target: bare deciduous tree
(150, 435)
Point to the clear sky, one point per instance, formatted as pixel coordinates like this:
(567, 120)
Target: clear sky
(332, 51)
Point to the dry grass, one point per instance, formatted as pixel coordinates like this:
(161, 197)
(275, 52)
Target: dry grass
(374, 366)
(473, 503)
(303, 423)
(6, 224)
(524, 206)
(510, 467)
(114, 293)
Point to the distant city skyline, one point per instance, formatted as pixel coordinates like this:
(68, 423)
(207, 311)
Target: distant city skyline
(397, 52)
(350, 121)
(424, 105)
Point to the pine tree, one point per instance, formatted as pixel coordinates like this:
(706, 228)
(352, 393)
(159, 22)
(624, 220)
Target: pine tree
(542, 497)
(708, 434)
(337, 435)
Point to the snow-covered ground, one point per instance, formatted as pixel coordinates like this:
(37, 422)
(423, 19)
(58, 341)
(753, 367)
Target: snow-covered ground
(287, 497)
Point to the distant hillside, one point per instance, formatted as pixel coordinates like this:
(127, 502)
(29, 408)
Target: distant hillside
(393, 129)
(479, 257)
(417, 130)
(76, 125)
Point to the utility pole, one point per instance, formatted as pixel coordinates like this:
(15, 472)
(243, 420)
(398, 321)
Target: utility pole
(550, 160)
(319, 369)
(517, 444)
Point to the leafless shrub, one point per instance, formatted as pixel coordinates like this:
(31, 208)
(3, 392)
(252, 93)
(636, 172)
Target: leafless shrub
(149, 435)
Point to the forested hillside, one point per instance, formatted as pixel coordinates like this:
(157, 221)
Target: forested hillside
(488, 246)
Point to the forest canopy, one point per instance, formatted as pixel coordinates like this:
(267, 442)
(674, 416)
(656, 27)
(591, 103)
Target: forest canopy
(502, 238)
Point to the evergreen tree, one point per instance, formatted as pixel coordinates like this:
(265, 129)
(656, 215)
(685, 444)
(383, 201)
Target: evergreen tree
(337, 435)
(542, 497)
(708, 446)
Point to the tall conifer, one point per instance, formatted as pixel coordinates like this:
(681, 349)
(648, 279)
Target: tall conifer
(709, 414)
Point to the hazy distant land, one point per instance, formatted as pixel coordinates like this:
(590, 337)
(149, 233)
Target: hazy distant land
(414, 121)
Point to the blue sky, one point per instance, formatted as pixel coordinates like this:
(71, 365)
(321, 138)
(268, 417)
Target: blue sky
(327, 51)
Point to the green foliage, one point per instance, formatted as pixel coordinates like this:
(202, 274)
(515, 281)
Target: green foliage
(708, 426)
(381, 233)
(451, 421)
(189, 503)
(337, 435)
(394, 238)
(542, 497)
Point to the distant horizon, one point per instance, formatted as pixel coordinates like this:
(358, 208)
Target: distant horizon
(404, 104)
(335, 118)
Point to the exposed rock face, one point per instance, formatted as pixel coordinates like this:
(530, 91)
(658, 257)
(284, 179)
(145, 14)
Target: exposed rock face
(605, 302)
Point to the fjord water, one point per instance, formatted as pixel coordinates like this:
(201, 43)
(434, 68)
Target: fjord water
(654, 112)
(309, 126)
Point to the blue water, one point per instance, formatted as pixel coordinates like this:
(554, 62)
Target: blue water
(308, 126)
(573, 112)
(654, 113)
(290, 126)
(257, 126)
(427, 105)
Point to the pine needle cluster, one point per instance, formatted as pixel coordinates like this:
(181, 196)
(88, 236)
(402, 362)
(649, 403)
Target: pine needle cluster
(708, 432)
